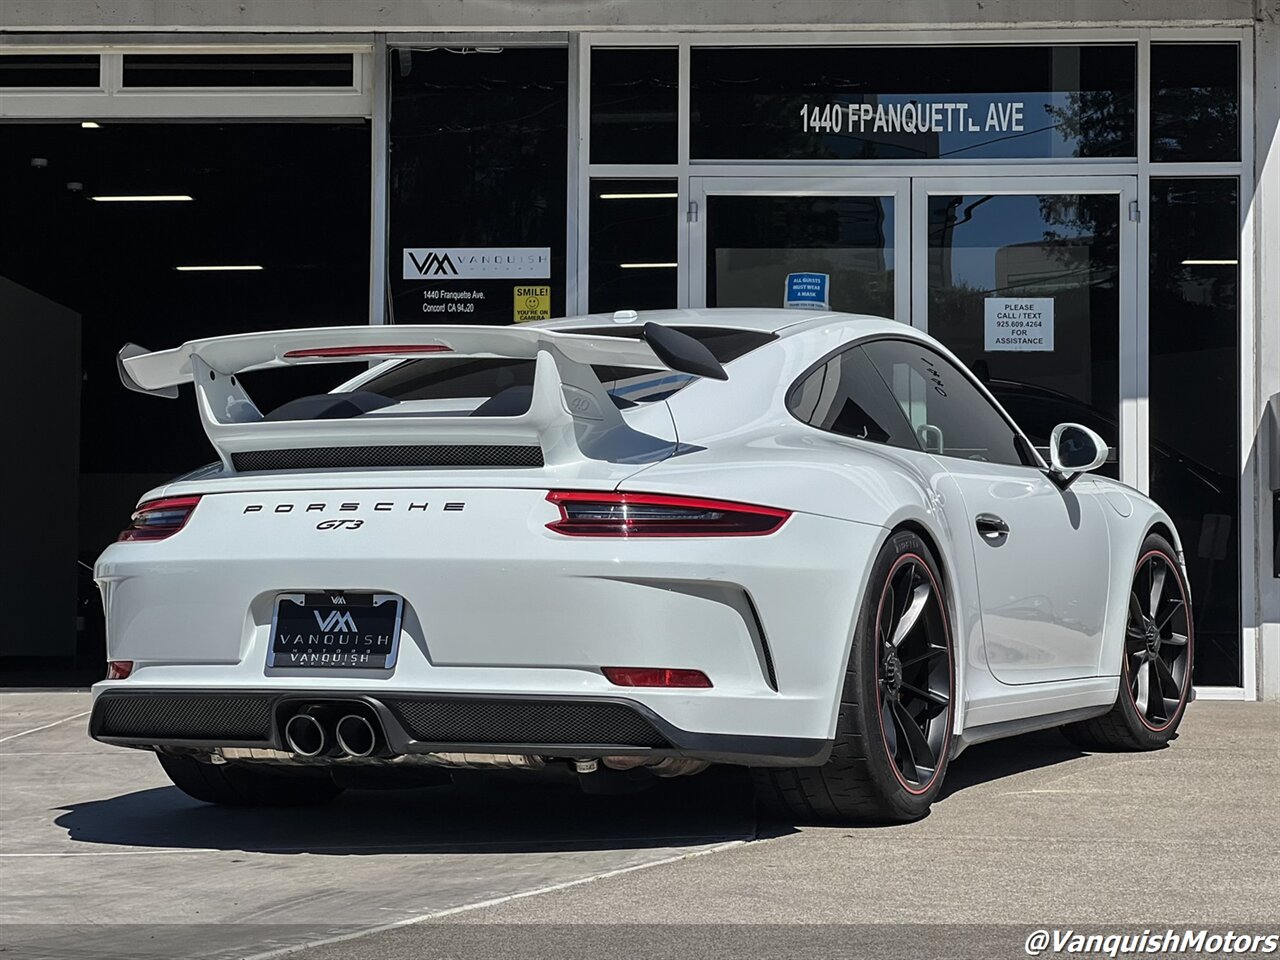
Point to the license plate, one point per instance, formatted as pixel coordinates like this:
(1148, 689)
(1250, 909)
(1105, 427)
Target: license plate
(335, 630)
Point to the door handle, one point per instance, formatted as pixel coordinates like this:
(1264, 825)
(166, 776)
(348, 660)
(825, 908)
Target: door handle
(990, 526)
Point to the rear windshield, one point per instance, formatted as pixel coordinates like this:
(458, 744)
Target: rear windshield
(481, 379)
(725, 343)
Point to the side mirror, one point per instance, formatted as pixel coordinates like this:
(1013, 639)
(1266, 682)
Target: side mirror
(1073, 450)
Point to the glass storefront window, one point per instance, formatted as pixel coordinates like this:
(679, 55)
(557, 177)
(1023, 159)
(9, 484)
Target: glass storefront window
(49, 70)
(478, 168)
(1195, 401)
(633, 105)
(1058, 253)
(634, 226)
(1195, 101)
(239, 70)
(912, 103)
(753, 242)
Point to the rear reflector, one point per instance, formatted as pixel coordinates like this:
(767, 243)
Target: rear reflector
(157, 519)
(655, 677)
(591, 514)
(119, 669)
(380, 350)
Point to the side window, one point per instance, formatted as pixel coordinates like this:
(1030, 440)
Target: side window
(945, 410)
(846, 396)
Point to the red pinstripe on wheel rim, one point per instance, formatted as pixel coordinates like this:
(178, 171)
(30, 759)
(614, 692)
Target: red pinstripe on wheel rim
(1158, 642)
(912, 662)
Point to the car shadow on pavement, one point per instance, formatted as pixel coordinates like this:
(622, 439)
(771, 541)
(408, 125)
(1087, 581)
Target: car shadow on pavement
(998, 759)
(502, 814)
(512, 813)
(980, 765)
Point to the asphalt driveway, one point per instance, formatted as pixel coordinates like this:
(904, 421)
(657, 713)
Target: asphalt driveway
(100, 857)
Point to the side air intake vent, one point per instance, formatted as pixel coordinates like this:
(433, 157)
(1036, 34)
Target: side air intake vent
(425, 455)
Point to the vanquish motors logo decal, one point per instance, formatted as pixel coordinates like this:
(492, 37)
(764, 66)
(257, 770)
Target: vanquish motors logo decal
(475, 263)
(337, 620)
(432, 264)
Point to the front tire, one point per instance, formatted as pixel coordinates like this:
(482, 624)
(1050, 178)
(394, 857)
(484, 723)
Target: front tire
(1155, 668)
(893, 732)
(244, 785)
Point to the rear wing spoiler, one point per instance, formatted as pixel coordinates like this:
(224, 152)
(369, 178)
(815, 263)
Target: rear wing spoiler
(570, 415)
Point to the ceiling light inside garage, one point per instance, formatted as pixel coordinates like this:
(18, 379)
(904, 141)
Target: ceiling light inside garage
(647, 266)
(638, 196)
(1209, 263)
(143, 198)
(219, 266)
(89, 125)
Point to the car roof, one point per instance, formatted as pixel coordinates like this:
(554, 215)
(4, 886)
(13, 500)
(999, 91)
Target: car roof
(767, 320)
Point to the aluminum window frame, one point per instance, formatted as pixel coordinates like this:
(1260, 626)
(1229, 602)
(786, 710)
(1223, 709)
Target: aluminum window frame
(1140, 167)
(897, 189)
(112, 100)
(1131, 412)
(576, 222)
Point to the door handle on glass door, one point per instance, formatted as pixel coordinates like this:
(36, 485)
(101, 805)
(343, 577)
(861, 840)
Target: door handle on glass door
(990, 526)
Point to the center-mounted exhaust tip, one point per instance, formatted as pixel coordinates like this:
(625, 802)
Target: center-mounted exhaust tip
(304, 735)
(356, 736)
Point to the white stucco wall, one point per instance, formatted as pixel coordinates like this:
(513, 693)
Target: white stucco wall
(1266, 212)
(342, 15)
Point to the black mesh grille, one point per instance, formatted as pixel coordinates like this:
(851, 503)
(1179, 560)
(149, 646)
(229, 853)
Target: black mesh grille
(525, 722)
(421, 455)
(185, 717)
(247, 718)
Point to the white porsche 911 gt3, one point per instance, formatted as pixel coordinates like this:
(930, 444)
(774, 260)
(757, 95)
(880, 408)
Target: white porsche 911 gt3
(807, 543)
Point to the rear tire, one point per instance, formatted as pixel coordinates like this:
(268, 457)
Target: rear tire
(1155, 668)
(242, 785)
(901, 675)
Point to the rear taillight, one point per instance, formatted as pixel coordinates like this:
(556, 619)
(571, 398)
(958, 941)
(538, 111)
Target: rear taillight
(590, 514)
(119, 669)
(655, 677)
(157, 519)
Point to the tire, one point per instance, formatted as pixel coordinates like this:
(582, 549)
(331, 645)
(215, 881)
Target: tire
(242, 785)
(862, 782)
(1158, 628)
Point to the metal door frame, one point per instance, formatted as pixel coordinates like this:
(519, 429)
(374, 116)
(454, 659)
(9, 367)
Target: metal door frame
(897, 188)
(1133, 323)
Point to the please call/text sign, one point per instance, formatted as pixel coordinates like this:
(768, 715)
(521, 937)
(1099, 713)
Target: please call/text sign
(1018, 323)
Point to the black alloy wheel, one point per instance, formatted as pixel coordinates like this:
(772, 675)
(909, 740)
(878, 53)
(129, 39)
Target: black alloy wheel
(1155, 663)
(1157, 642)
(913, 673)
(892, 737)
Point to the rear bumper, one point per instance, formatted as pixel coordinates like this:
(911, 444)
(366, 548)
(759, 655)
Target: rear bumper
(497, 605)
(417, 723)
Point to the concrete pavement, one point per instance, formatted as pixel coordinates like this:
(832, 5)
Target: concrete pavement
(1029, 832)
(100, 856)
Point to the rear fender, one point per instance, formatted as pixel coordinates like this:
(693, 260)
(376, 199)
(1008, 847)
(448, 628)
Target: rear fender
(1128, 533)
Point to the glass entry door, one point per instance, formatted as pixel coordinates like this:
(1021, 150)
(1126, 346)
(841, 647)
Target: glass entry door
(1030, 281)
(747, 236)
(1032, 285)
